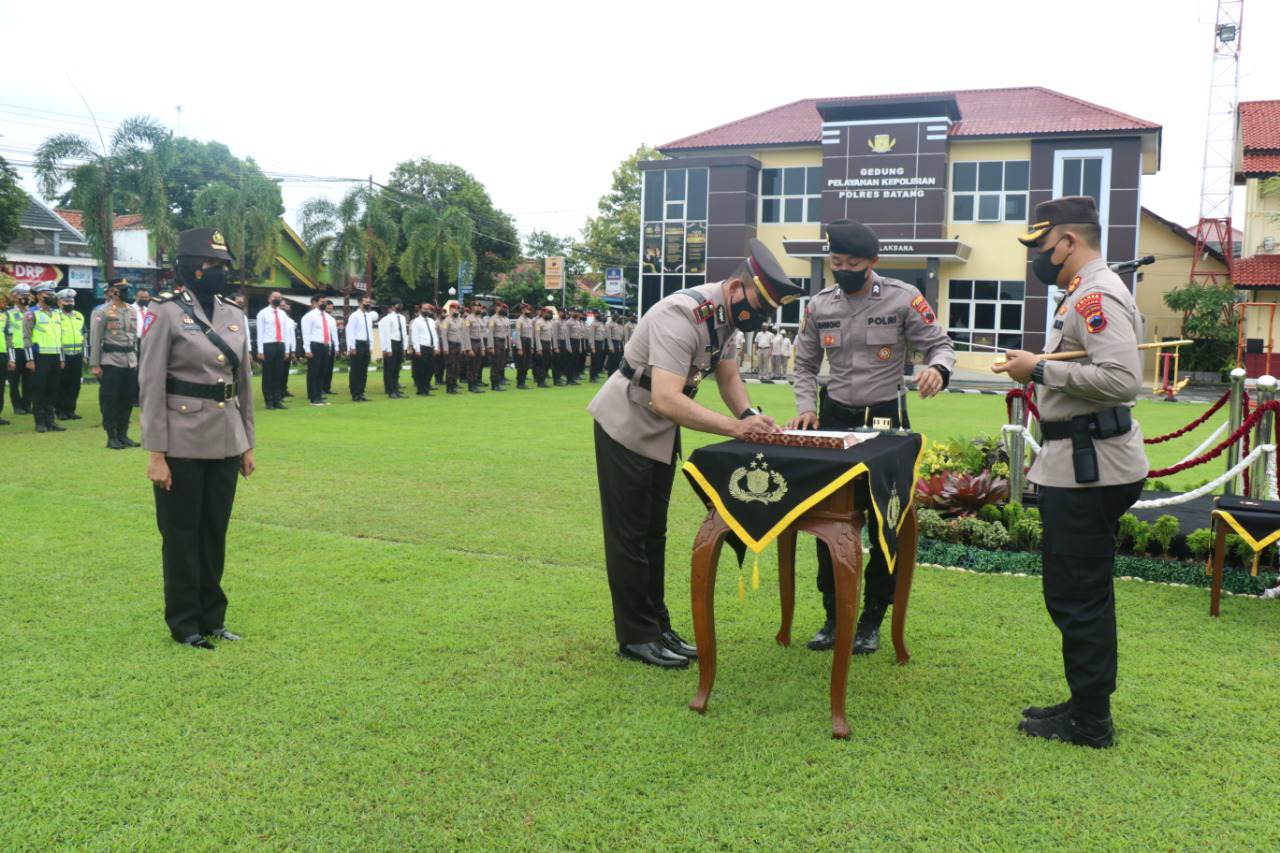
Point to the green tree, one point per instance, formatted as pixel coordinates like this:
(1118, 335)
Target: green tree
(126, 175)
(246, 213)
(194, 165)
(495, 244)
(612, 238)
(1208, 318)
(12, 202)
(436, 242)
(523, 284)
(347, 235)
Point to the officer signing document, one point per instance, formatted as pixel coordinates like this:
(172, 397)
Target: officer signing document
(1092, 467)
(638, 414)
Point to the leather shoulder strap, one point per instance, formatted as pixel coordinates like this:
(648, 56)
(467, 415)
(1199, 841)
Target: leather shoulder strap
(214, 337)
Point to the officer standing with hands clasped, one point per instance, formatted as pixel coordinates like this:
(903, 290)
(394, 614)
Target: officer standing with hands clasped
(638, 414)
(1092, 465)
(863, 325)
(197, 422)
(113, 359)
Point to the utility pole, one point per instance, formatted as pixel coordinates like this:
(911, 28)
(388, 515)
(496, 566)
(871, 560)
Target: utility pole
(368, 241)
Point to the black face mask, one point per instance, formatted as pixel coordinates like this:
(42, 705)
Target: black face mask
(276, 302)
(851, 281)
(503, 313)
(144, 302)
(745, 317)
(1044, 267)
(47, 301)
(212, 280)
(67, 308)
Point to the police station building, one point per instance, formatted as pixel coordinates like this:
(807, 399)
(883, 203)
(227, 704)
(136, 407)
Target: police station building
(946, 179)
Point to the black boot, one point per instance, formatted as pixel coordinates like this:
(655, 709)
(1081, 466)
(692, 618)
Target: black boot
(1074, 727)
(826, 636)
(122, 435)
(867, 639)
(451, 389)
(53, 426)
(40, 427)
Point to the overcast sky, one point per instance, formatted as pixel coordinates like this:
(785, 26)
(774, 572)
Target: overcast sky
(540, 101)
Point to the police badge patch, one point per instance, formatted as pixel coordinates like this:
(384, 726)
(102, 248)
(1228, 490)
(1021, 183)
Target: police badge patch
(1089, 307)
(884, 353)
(922, 308)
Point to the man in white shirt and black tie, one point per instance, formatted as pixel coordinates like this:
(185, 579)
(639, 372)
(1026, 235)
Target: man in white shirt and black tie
(316, 340)
(394, 332)
(424, 338)
(273, 346)
(359, 347)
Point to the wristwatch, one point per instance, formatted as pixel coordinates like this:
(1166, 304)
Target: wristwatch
(1037, 372)
(750, 411)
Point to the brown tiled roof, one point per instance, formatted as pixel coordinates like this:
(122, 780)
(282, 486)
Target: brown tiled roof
(1260, 137)
(123, 222)
(1023, 111)
(1257, 271)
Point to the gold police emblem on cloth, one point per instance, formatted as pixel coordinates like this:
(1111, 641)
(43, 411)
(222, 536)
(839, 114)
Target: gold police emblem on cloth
(233, 327)
(894, 510)
(881, 143)
(763, 485)
(884, 353)
(218, 241)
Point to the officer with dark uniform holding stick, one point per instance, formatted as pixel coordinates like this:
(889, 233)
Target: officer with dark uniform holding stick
(863, 325)
(197, 422)
(1092, 465)
(638, 414)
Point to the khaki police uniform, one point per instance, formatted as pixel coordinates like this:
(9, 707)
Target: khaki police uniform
(499, 331)
(477, 337)
(617, 339)
(579, 343)
(524, 342)
(451, 337)
(113, 346)
(599, 345)
(544, 355)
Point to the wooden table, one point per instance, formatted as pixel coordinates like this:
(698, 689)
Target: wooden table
(837, 521)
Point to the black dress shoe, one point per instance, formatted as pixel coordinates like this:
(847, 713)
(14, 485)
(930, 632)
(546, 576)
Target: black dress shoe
(224, 634)
(1044, 713)
(867, 639)
(673, 642)
(653, 654)
(72, 416)
(196, 641)
(286, 394)
(3, 422)
(113, 443)
(1073, 728)
(40, 427)
(123, 438)
(54, 426)
(21, 410)
(825, 639)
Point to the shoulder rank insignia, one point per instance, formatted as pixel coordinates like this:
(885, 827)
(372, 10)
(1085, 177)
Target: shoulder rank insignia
(704, 311)
(1089, 307)
(722, 315)
(875, 290)
(1071, 288)
(922, 308)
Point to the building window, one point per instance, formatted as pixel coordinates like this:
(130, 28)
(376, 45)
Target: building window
(990, 191)
(789, 316)
(791, 195)
(673, 244)
(1082, 176)
(985, 315)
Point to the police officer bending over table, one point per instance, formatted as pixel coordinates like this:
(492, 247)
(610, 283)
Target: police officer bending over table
(1093, 465)
(197, 421)
(639, 412)
(863, 325)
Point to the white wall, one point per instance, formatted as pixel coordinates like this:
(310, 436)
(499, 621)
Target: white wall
(131, 248)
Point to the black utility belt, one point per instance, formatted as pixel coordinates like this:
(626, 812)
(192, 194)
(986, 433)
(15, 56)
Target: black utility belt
(628, 371)
(1107, 423)
(217, 391)
(863, 415)
(116, 348)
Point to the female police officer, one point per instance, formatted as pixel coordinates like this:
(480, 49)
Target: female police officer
(197, 422)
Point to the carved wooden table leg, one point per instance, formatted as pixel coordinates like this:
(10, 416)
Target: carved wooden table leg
(786, 583)
(902, 591)
(1219, 557)
(706, 558)
(843, 539)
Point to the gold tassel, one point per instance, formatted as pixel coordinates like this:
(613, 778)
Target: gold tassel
(755, 573)
(1254, 569)
(742, 587)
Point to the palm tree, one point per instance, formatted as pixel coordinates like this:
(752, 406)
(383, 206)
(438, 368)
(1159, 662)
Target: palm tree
(127, 174)
(246, 213)
(435, 241)
(347, 235)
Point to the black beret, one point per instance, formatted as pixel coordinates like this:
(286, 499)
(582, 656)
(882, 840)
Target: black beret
(204, 243)
(846, 237)
(772, 281)
(1068, 210)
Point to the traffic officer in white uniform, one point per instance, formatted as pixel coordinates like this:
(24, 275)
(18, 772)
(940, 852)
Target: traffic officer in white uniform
(638, 414)
(864, 326)
(1092, 465)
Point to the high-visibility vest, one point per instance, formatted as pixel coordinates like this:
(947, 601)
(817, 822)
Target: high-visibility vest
(12, 326)
(72, 332)
(46, 334)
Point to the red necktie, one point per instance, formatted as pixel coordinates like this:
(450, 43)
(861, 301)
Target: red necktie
(325, 321)
(279, 336)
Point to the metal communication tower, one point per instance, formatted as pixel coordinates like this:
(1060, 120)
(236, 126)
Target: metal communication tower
(1217, 181)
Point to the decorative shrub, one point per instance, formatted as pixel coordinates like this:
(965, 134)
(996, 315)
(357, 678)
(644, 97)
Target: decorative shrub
(1200, 543)
(931, 524)
(1163, 532)
(1133, 533)
(993, 536)
(1027, 533)
(991, 513)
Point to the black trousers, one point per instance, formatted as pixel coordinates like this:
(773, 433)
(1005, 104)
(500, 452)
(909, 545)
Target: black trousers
(877, 581)
(560, 362)
(69, 385)
(19, 381)
(441, 361)
(498, 364)
(597, 358)
(422, 367)
(1078, 557)
(193, 517)
(358, 378)
(542, 361)
(391, 368)
(575, 352)
(524, 360)
(453, 359)
(635, 493)
(475, 361)
(115, 397)
(614, 358)
(5, 376)
(315, 372)
(330, 361)
(273, 372)
(44, 386)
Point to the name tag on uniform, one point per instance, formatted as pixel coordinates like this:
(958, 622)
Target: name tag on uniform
(882, 321)
(827, 324)
(1057, 324)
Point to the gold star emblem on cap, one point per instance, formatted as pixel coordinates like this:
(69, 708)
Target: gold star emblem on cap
(218, 240)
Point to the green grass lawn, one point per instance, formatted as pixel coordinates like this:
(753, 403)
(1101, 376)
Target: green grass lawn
(428, 663)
